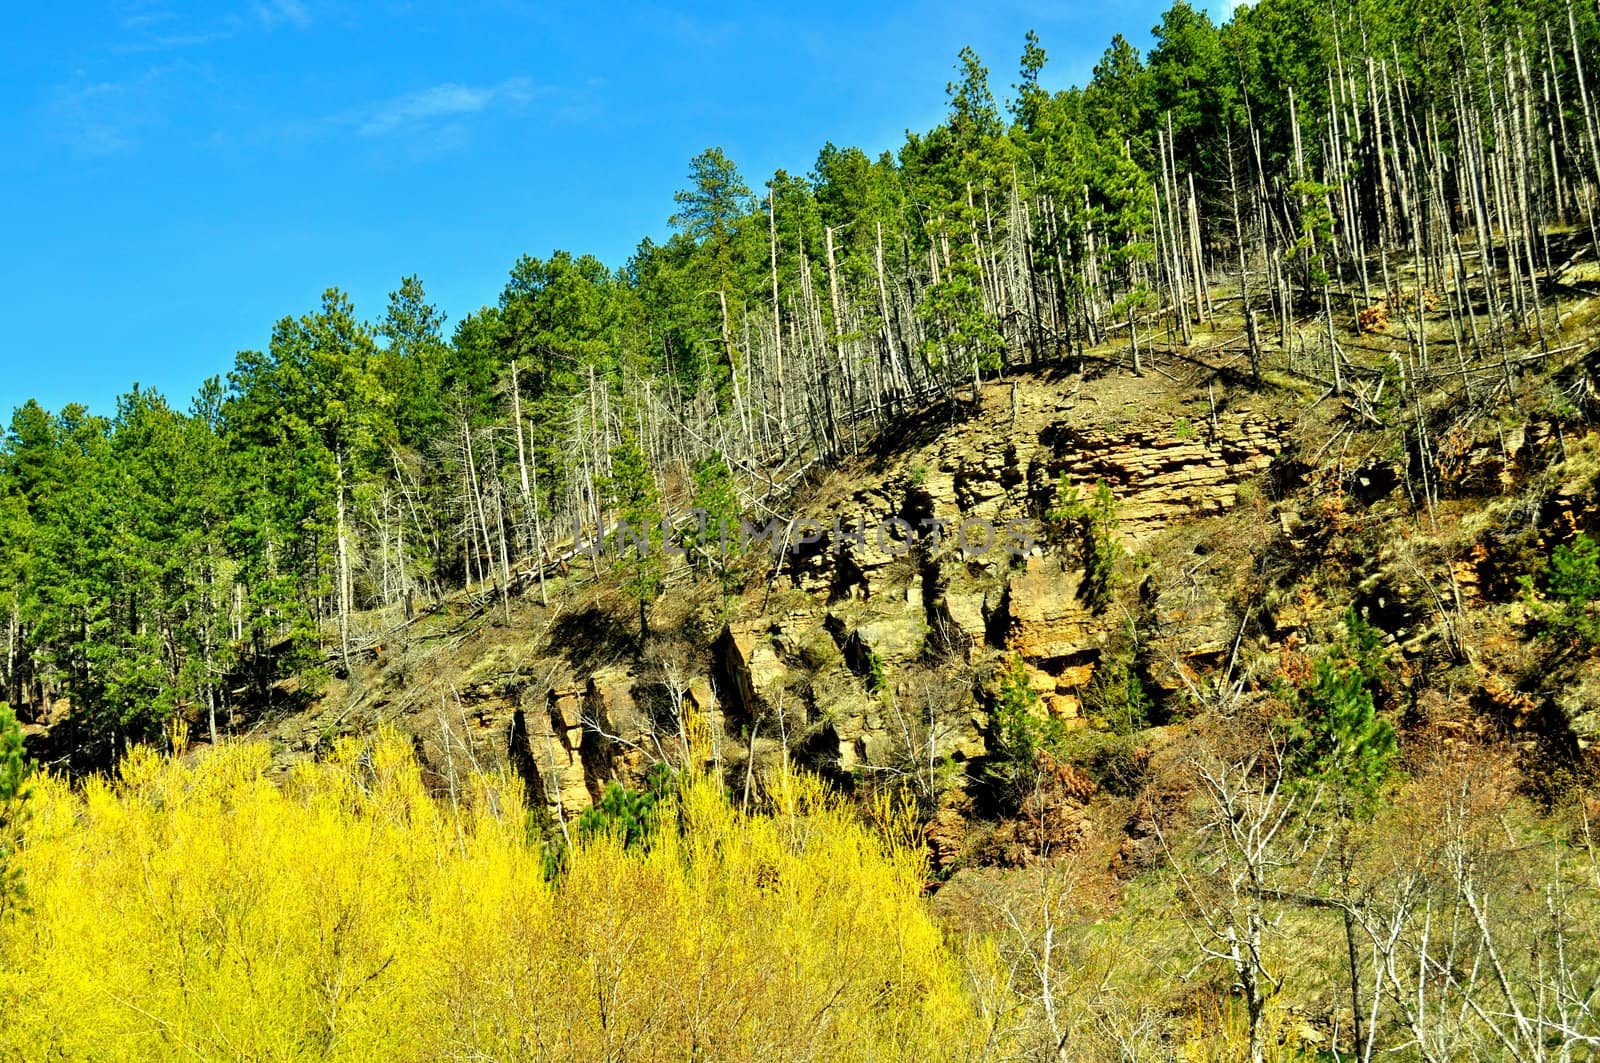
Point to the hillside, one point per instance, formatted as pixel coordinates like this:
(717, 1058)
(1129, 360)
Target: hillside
(1255, 531)
(840, 651)
(1251, 518)
(1116, 578)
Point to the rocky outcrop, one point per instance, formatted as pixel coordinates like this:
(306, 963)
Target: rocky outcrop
(909, 564)
(1044, 615)
(558, 747)
(941, 550)
(1164, 476)
(1578, 701)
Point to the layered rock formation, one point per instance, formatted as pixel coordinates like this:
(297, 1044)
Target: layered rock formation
(938, 550)
(866, 646)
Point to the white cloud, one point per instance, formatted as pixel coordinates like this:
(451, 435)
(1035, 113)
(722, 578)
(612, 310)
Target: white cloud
(274, 13)
(142, 14)
(171, 41)
(151, 26)
(100, 118)
(443, 101)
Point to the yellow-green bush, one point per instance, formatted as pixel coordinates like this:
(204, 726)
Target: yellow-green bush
(206, 912)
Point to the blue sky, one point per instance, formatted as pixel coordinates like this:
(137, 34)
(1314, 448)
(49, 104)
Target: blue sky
(176, 177)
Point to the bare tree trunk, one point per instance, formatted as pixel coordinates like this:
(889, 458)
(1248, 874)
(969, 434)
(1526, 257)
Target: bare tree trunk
(516, 419)
(1202, 298)
(344, 565)
(477, 498)
(777, 324)
(1244, 274)
(529, 499)
(838, 333)
(896, 373)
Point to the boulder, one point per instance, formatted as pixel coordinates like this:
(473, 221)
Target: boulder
(747, 659)
(1045, 613)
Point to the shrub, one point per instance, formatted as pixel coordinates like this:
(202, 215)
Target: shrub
(14, 769)
(202, 911)
(877, 676)
(1092, 527)
(1572, 579)
(1117, 696)
(1023, 734)
(1114, 762)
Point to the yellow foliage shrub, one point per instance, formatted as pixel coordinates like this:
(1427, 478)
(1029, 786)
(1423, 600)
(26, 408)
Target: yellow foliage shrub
(206, 912)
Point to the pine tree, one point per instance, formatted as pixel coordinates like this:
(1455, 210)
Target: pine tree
(1091, 527)
(1572, 578)
(1340, 742)
(412, 367)
(1023, 733)
(631, 816)
(1339, 738)
(634, 497)
(14, 769)
(715, 542)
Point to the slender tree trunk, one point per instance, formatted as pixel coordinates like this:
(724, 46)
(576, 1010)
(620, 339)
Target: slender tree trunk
(344, 565)
(777, 324)
(838, 333)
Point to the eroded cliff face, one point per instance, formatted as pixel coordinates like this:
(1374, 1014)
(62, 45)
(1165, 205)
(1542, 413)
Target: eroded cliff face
(973, 590)
(869, 649)
(861, 652)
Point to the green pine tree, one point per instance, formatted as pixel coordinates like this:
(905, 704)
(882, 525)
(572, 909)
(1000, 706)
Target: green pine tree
(633, 496)
(14, 770)
(1337, 737)
(629, 815)
(1023, 734)
(715, 545)
(1572, 580)
(1091, 527)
